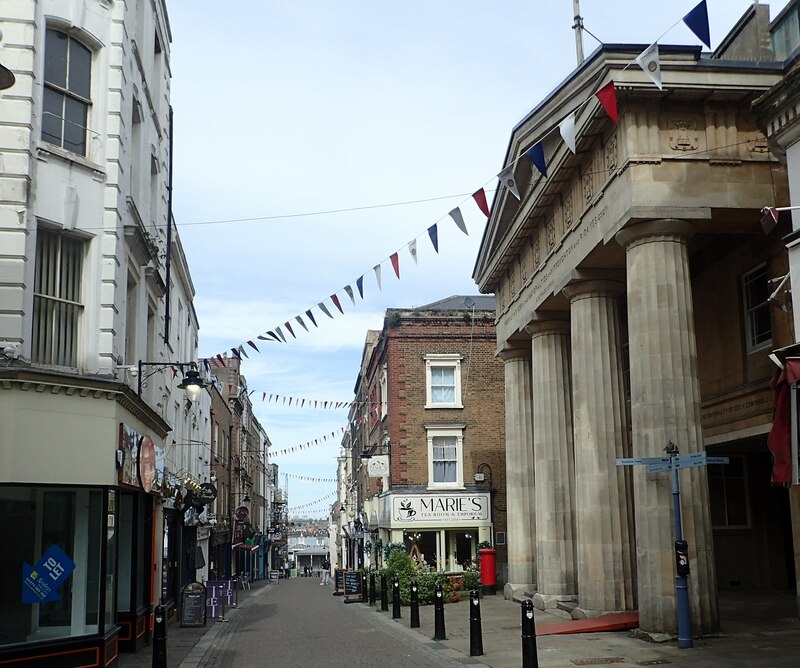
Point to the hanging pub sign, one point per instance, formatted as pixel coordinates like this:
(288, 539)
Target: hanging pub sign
(206, 494)
(378, 466)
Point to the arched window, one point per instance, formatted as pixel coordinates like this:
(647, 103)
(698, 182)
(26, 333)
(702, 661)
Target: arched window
(67, 91)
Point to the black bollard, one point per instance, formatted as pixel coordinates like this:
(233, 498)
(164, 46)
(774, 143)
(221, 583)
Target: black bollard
(372, 588)
(396, 598)
(475, 636)
(384, 594)
(364, 597)
(414, 605)
(438, 614)
(530, 658)
(160, 637)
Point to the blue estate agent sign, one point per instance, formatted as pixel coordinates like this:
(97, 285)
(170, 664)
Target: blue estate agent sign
(41, 582)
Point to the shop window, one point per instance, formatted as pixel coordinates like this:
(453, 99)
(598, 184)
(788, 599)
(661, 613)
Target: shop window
(758, 327)
(445, 465)
(57, 306)
(443, 381)
(727, 489)
(67, 91)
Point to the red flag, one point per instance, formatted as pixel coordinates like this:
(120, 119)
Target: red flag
(289, 327)
(608, 98)
(395, 264)
(335, 300)
(221, 361)
(480, 199)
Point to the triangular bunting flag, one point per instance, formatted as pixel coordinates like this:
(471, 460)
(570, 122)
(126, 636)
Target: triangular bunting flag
(311, 317)
(236, 353)
(536, 155)
(769, 218)
(336, 302)
(697, 21)
(274, 336)
(395, 264)
(377, 270)
(455, 214)
(263, 394)
(608, 98)
(289, 327)
(480, 199)
(567, 130)
(360, 286)
(349, 290)
(280, 333)
(324, 309)
(300, 320)
(221, 360)
(649, 62)
(412, 248)
(507, 179)
(243, 351)
(253, 346)
(434, 235)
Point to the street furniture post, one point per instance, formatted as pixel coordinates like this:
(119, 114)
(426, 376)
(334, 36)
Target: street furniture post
(475, 635)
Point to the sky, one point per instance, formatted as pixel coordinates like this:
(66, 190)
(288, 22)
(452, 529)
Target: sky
(313, 139)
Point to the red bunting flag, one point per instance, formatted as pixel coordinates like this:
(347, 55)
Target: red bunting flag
(608, 98)
(480, 199)
(221, 361)
(289, 327)
(336, 302)
(395, 264)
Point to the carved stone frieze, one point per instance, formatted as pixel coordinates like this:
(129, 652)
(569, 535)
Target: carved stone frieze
(611, 154)
(567, 209)
(588, 186)
(550, 233)
(757, 143)
(683, 135)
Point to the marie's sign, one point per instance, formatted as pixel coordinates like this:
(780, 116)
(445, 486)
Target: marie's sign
(440, 508)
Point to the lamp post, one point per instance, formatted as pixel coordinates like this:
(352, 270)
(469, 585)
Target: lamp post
(192, 383)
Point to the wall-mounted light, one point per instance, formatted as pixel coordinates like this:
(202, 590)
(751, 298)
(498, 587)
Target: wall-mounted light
(192, 383)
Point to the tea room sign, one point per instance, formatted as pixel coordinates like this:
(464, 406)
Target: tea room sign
(440, 508)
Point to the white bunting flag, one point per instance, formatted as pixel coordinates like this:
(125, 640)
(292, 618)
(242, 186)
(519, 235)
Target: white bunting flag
(507, 179)
(412, 248)
(455, 214)
(377, 270)
(567, 130)
(349, 291)
(648, 61)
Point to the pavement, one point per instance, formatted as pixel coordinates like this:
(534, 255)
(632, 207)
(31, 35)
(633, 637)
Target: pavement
(756, 631)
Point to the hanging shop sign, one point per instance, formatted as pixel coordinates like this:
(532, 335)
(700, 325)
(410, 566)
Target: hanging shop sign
(378, 466)
(242, 513)
(206, 494)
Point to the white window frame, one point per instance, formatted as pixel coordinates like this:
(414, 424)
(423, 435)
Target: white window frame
(449, 360)
(384, 393)
(751, 309)
(450, 430)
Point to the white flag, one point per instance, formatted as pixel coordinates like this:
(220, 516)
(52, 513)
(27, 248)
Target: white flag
(377, 269)
(412, 248)
(648, 61)
(567, 130)
(507, 179)
(455, 214)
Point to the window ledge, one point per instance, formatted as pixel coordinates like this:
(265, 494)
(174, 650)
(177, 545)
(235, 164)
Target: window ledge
(46, 150)
(455, 487)
(452, 406)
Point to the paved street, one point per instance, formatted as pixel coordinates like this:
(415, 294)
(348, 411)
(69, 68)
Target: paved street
(299, 622)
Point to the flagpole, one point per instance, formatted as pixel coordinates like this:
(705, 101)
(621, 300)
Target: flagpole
(577, 26)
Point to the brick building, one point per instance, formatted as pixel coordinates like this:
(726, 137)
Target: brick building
(429, 411)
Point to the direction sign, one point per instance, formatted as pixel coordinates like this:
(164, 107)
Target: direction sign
(718, 460)
(41, 582)
(658, 468)
(633, 461)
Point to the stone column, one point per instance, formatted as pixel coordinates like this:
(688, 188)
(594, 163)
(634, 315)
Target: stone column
(554, 471)
(520, 509)
(603, 512)
(665, 406)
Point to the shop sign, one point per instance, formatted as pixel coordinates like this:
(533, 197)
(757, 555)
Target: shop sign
(206, 494)
(41, 582)
(440, 508)
(242, 513)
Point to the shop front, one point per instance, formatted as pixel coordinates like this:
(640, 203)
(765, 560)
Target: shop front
(441, 530)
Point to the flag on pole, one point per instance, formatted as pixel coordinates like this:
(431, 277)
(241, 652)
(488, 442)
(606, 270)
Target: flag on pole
(567, 130)
(649, 62)
(507, 179)
(455, 214)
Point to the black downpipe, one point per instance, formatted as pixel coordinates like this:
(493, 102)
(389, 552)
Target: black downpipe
(168, 261)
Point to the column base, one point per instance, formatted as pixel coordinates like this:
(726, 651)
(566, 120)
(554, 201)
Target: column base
(518, 592)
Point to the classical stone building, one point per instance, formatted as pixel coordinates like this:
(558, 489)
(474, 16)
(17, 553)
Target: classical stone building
(633, 292)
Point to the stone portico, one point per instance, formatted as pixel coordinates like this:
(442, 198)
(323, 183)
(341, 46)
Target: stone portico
(595, 275)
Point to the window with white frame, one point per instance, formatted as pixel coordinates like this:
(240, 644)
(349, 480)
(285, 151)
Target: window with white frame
(443, 381)
(384, 393)
(445, 460)
(67, 91)
(57, 306)
(755, 291)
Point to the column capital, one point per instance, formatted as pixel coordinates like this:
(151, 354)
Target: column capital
(666, 228)
(596, 287)
(511, 351)
(548, 322)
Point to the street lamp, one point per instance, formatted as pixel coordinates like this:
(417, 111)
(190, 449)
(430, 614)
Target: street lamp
(192, 383)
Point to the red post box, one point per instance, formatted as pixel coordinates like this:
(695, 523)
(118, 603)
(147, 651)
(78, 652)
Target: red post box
(488, 577)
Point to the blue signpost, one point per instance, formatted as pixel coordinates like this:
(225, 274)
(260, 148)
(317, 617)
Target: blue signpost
(41, 582)
(673, 463)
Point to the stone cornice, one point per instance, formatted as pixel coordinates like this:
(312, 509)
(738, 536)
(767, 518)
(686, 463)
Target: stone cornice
(54, 382)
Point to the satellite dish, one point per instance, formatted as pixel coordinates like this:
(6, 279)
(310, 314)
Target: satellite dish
(469, 302)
